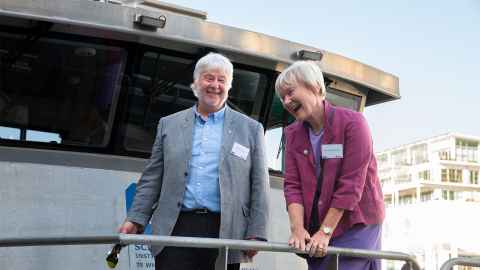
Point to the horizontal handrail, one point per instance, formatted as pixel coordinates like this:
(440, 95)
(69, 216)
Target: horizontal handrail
(59, 240)
(464, 261)
(197, 242)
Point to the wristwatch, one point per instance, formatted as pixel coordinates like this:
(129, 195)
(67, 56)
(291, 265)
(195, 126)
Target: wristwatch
(326, 230)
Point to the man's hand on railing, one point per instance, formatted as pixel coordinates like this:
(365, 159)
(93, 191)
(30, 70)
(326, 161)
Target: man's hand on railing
(129, 227)
(252, 253)
(298, 238)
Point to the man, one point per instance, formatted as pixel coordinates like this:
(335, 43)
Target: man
(207, 175)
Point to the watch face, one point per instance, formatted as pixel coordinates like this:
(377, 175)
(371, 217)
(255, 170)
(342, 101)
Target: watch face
(327, 230)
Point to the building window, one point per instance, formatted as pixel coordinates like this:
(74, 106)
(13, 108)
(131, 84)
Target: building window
(426, 196)
(386, 181)
(400, 158)
(452, 175)
(448, 195)
(419, 154)
(444, 155)
(406, 199)
(382, 160)
(466, 150)
(388, 201)
(444, 175)
(474, 177)
(424, 175)
(402, 177)
(457, 176)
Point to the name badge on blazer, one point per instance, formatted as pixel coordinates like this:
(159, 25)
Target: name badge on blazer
(332, 151)
(240, 151)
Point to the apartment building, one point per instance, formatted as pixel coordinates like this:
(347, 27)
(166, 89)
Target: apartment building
(432, 193)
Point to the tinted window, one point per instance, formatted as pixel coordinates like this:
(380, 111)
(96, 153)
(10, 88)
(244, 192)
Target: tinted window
(161, 86)
(343, 99)
(59, 91)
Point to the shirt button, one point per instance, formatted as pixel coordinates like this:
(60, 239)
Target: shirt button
(179, 204)
(185, 173)
(320, 202)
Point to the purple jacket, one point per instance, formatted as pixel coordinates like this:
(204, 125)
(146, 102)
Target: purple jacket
(350, 183)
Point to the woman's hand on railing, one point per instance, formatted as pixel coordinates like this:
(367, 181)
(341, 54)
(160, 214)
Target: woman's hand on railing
(317, 246)
(298, 238)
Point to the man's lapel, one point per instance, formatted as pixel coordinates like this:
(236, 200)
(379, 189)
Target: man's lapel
(227, 140)
(187, 134)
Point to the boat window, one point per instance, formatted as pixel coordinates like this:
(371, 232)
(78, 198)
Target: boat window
(58, 91)
(160, 86)
(344, 99)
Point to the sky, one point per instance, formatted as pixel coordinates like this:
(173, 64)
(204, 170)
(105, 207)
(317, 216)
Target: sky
(432, 46)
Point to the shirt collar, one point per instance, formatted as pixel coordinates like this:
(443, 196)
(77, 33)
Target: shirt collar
(310, 129)
(216, 116)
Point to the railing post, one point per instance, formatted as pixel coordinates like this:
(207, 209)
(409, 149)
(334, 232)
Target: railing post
(337, 261)
(222, 260)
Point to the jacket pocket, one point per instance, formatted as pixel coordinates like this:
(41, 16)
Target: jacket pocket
(246, 211)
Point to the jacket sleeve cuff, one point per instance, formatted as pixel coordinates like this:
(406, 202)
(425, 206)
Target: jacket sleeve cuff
(342, 204)
(295, 199)
(138, 218)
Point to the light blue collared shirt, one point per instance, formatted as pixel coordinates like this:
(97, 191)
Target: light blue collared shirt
(203, 189)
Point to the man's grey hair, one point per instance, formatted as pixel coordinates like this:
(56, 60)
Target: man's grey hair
(213, 61)
(305, 73)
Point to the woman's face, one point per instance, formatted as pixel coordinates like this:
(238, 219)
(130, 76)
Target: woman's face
(299, 101)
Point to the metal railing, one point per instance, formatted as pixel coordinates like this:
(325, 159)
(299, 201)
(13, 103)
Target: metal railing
(463, 261)
(224, 245)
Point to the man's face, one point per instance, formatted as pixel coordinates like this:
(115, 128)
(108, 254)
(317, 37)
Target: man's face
(211, 89)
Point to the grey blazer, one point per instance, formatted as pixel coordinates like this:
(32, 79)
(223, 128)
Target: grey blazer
(243, 183)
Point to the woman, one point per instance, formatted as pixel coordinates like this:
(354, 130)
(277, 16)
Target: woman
(331, 186)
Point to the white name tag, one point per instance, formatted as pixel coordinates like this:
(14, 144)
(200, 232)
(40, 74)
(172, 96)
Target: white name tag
(332, 151)
(240, 151)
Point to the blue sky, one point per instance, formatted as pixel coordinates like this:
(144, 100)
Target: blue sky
(432, 46)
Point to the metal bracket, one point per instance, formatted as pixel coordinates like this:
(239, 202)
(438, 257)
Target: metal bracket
(150, 22)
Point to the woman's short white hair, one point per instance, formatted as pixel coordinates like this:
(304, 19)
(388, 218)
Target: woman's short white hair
(213, 61)
(306, 73)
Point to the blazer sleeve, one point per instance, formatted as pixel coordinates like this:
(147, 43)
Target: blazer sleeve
(150, 183)
(292, 187)
(357, 154)
(259, 188)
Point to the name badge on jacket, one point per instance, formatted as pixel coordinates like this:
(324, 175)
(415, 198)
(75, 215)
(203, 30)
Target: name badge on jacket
(332, 151)
(240, 151)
